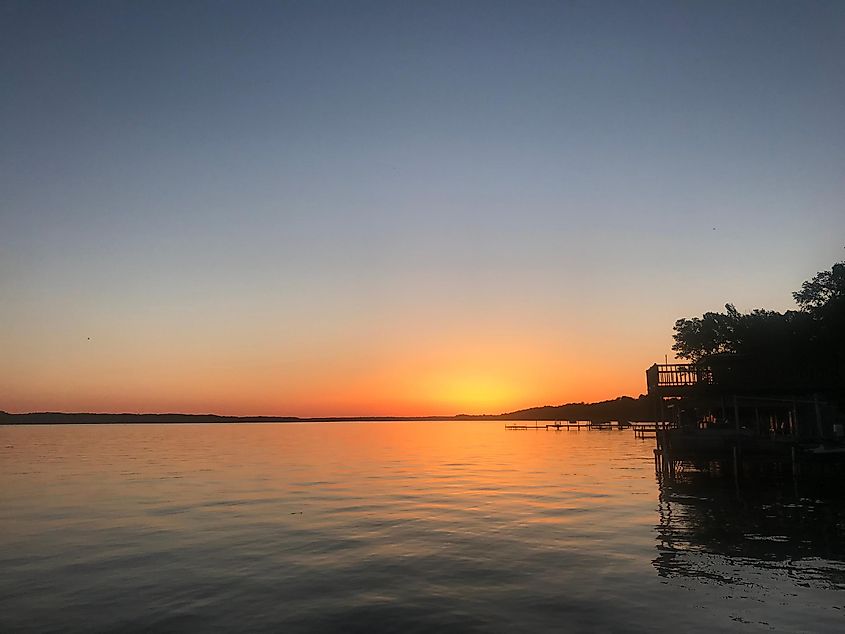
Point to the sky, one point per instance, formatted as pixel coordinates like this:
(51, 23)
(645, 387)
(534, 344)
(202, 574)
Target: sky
(375, 208)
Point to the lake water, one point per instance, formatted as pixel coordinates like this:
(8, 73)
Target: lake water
(397, 527)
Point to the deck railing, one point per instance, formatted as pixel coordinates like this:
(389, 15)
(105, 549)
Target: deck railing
(677, 375)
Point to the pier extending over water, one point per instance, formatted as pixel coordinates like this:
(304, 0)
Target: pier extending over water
(640, 429)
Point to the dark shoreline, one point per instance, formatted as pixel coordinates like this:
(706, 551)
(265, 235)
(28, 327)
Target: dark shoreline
(178, 419)
(622, 408)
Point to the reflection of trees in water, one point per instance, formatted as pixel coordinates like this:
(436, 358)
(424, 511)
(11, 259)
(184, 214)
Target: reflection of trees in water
(709, 530)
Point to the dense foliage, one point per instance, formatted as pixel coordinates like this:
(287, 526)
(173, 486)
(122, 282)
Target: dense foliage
(735, 332)
(813, 336)
(824, 293)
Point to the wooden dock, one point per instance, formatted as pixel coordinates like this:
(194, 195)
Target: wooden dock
(577, 425)
(641, 430)
(557, 425)
(649, 430)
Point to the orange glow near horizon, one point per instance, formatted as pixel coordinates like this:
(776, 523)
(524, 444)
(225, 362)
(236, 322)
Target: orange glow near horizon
(395, 380)
(411, 362)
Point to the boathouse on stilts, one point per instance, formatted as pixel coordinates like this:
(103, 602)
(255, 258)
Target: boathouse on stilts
(733, 410)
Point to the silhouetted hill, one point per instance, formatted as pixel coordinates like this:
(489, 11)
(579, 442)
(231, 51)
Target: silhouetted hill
(622, 408)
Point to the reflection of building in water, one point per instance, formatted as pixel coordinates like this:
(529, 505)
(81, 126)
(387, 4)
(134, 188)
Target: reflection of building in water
(705, 530)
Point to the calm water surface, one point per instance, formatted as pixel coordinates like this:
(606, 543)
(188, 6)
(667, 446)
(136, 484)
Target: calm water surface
(369, 527)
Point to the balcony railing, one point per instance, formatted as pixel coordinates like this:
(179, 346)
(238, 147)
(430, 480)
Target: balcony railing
(677, 375)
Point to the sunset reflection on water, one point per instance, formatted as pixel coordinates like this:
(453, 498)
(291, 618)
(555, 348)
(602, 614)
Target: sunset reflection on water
(365, 526)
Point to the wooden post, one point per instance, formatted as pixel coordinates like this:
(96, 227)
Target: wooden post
(736, 468)
(736, 415)
(667, 454)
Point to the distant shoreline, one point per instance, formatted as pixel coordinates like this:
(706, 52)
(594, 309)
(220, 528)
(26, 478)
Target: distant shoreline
(622, 408)
(58, 418)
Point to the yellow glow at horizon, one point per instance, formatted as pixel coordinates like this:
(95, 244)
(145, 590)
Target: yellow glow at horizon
(474, 391)
(437, 371)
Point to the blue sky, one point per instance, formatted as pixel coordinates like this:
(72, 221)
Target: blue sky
(568, 176)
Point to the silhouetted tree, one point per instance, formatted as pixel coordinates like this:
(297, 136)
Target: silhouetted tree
(811, 337)
(709, 334)
(826, 288)
(823, 299)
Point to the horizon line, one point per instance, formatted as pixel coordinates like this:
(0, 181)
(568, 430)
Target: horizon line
(318, 417)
